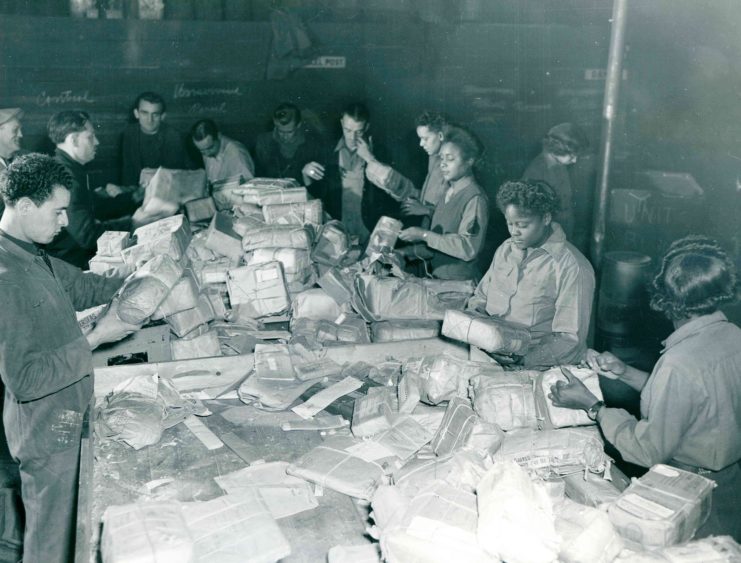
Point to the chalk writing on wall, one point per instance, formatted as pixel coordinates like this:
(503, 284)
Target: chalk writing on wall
(66, 97)
(207, 109)
(182, 91)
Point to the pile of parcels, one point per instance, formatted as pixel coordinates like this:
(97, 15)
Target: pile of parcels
(458, 460)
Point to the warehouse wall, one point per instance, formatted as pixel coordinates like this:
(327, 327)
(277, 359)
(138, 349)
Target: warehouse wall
(509, 69)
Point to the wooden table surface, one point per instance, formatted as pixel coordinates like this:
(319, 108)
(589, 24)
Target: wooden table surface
(121, 475)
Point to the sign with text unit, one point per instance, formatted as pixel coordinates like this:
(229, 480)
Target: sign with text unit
(327, 62)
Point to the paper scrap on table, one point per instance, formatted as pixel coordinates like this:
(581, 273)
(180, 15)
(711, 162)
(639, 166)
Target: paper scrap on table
(201, 431)
(370, 451)
(321, 422)
(283, 494)
(327, 396)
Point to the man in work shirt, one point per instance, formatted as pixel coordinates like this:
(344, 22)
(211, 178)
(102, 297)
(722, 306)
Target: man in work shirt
(45, 361)
(223, 158)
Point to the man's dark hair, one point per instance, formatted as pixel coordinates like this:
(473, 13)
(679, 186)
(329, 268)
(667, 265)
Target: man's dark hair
(695, 278)
(152, 98)
(65, 122)
(34, 176)
(204, 128)
(287, 113)
(466, 142)
(531, 196)
(357, 111)
(433, 120)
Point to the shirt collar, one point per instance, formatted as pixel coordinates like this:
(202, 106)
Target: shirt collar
(29, 247)
(341, 145)
(691, 328)
(458, 186)
(553, 245)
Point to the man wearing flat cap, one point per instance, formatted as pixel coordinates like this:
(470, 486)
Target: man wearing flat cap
(10, 137)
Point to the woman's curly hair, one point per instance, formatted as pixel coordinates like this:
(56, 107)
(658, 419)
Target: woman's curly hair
(695, 278)
(534, 196)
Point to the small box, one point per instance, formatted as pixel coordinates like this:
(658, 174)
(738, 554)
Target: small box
(455, 428)
(200, 209)
(111, 243)
(109, 266)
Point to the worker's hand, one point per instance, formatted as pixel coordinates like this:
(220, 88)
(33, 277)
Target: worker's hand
(112, 190)
(571, 395)
(312, 172)
(605, 363)
(364, 150)
(413, 206)
(413, 234)
(109, 328)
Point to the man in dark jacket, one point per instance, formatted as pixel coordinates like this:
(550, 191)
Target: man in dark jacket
(151, 142)
(45, 360)
(74, 135)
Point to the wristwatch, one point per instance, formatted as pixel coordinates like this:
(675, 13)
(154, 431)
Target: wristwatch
(593, 411)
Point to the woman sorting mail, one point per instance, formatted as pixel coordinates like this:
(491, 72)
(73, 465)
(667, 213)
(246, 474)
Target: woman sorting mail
(691, 401)
(537, 279)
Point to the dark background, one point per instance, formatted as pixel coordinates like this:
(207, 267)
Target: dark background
(509, 69)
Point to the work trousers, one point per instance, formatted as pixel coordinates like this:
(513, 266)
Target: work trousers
(49, 491)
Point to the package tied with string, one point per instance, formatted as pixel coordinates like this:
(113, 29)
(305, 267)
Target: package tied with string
(488, 333)
(277, 236)
(506, 399)
(456, 427)
(438, 378)
(184, 322)
(169, 236)
(222, 239)
(664, 507)
(112, 243)
(315, 304)
(139, 409)
(332, 244)
(374, 412)
(438, 525)
(560, 451)
(182, 296)
(302, 213)
(228, 192)
(550, 416)
(384, 236)
(258, 291)
(392, 331)
(344, 464)
(352, 329)
(147, 288)
(297, 270)
(387, 298)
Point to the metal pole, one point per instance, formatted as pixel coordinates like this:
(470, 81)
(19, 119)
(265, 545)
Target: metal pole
(612, 90)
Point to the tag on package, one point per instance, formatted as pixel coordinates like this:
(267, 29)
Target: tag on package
(316, 369)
